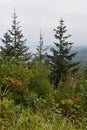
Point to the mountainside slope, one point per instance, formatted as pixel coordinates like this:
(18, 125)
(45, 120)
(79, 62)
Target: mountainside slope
(81, 54)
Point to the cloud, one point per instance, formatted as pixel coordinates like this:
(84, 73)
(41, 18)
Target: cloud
(45, 14)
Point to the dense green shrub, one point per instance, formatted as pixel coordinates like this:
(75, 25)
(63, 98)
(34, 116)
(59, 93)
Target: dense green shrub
(15, 118)
(39, 81)
(71, 99)
(14, 79)
(28, 101)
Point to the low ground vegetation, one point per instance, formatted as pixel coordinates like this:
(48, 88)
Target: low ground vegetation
(29, 102)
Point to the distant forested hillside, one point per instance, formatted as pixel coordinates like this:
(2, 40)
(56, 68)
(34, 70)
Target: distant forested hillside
(81, 55)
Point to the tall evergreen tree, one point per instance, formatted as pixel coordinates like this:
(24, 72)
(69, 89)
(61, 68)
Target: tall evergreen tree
(14, 42)
(7, 50)
(61, 58)
(41, 50)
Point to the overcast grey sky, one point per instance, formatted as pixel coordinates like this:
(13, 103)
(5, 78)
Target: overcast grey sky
(45, 14)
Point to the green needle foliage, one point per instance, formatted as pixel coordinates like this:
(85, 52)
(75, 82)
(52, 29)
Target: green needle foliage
(41, 50)
(14, 42)
(61, 58)
(27, 99)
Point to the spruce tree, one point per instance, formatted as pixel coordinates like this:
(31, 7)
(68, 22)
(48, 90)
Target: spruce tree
(61, 58)
(7, 50)
(41, 51)
(14, 41)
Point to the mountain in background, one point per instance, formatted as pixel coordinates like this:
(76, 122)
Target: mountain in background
(81, 54)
